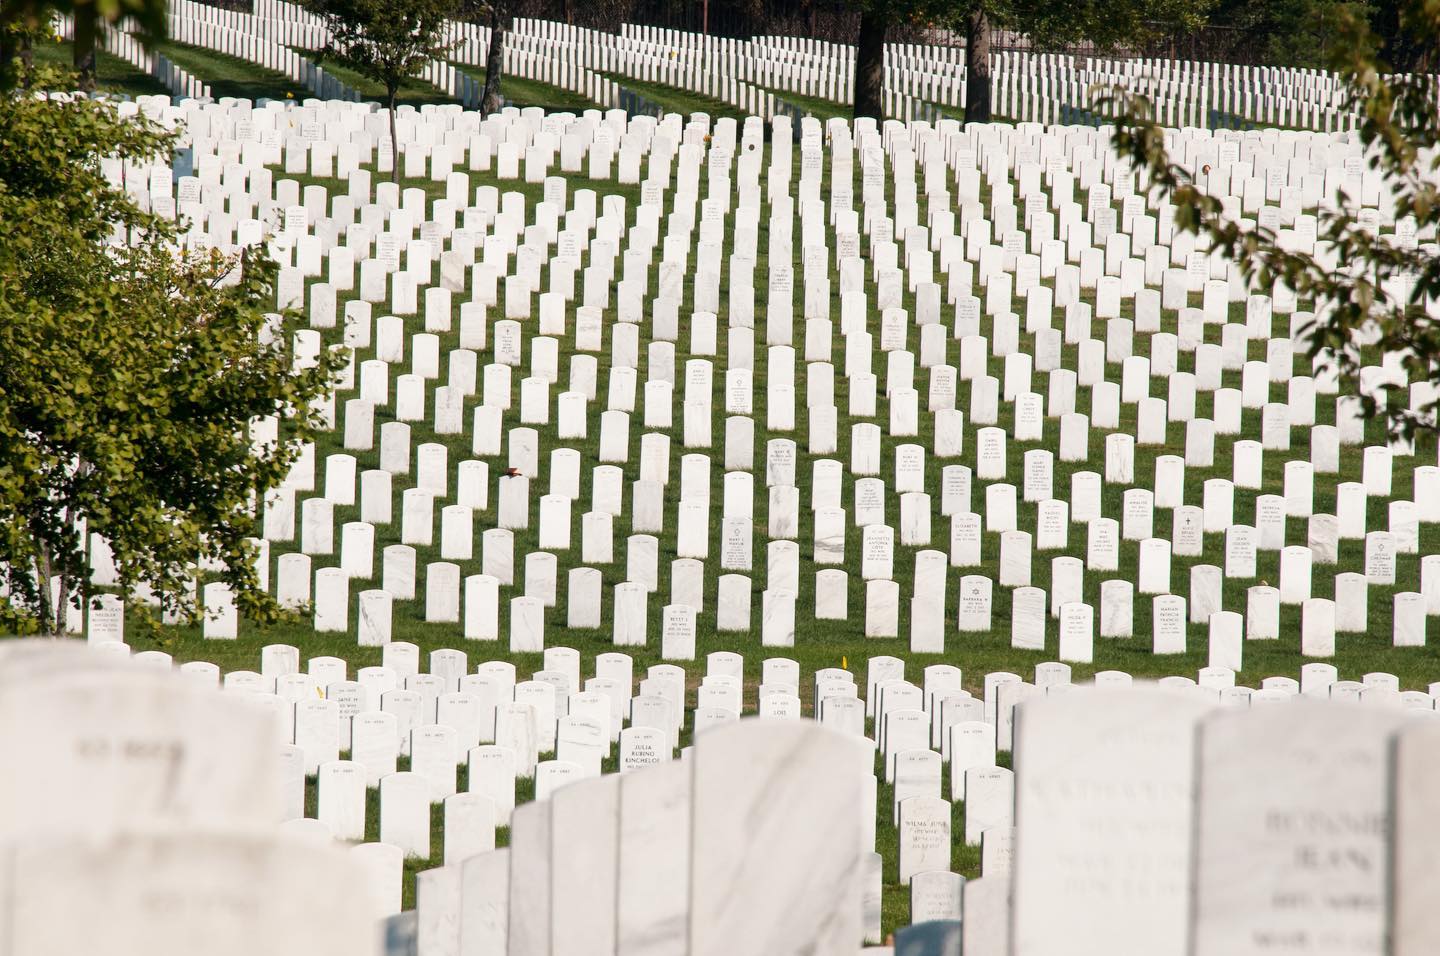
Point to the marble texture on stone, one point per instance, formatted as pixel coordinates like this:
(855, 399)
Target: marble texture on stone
(229, 893)
(1077, 848)
(935, 894)
(1415, 867)
(437, 911)
(989, 801)
(79, 717)
(778, 860)
(529, 917)
(1275, 786)
(485, 903)
(986, 928)
(584, 836)
(653, 902)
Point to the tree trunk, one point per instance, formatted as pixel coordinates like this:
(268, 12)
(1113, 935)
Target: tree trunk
(16, 48)
(494, 61)
(62, 613)
(44, 590)
(7, 56)
(85, 36)
(394, 140)
(977, 67)
(870, 66)
(62, 575)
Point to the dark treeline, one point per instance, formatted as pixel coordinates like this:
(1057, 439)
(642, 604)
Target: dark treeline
(1270, 32)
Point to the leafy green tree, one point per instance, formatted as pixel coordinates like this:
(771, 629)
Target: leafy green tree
(1049, 24)
(1053, 24)
(1286, 32)
(1404, 49)
(388, 41)
(20, 19)
(130, 372)
(17, 41)
(1372, 295)
(876, 19)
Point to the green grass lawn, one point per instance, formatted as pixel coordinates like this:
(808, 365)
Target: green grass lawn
(954, 112)
(522, 91)
(824, 109)
(821, 109)
(832, 644)
(231, 76)
(674, 99)
(112, 74)
(414, 92)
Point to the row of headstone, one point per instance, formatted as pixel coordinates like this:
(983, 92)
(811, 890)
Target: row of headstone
(922, 818)
(1148, 823)
(756, 844)
(1133, 738)
(881, 598)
